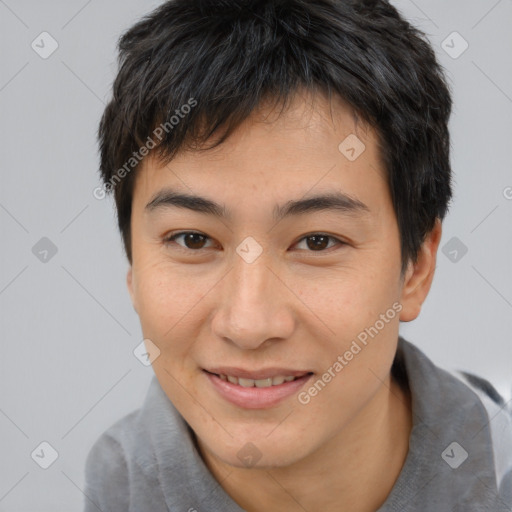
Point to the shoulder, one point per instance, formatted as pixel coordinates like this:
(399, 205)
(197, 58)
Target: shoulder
(499, 418)
(106, 468)
(121, 468)
(458, 407)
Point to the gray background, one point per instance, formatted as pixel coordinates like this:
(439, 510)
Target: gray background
(67, 327)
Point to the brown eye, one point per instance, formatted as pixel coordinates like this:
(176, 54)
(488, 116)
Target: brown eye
(318, 242)
(191, 240)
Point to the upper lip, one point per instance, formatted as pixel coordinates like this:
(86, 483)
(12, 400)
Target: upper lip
(266, 373)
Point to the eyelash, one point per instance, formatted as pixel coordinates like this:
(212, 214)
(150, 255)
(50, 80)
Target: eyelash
(171, 238)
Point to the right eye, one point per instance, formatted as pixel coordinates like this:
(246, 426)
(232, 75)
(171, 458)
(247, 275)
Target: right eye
(192, 240)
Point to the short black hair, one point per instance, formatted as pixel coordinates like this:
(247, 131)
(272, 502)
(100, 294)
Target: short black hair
(222, 58)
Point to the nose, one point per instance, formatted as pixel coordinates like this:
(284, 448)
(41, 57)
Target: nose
(255, 306)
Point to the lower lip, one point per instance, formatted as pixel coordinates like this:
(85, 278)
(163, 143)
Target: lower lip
(256, 398)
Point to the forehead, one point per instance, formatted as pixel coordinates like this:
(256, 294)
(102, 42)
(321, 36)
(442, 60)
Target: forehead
(314, 144)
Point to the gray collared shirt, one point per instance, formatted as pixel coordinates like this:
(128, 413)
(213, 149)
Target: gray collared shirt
(459, 460)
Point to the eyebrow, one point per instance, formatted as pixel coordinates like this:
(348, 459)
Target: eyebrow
(336, 201)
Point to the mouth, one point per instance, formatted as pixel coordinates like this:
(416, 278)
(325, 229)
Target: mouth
(256, 390)
(258, 383)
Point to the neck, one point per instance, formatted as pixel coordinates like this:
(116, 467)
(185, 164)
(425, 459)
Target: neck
(355, 470)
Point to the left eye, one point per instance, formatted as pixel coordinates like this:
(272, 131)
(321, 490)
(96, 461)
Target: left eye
(195, 241)
(318, 242)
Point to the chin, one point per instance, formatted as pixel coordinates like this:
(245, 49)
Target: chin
(257, 452)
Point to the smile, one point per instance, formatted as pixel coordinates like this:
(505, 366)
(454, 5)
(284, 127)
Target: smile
(259, 383)
(256, 393)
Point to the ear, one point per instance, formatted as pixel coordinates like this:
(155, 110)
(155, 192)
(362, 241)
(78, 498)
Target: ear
(419, 275)
(130, 285)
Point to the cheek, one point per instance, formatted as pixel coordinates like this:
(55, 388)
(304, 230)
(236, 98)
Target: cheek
(163, 300)
(350, 300)
(361, 309)
(356, 359)
(171, 305)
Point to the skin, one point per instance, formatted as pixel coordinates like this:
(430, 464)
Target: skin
(293, 307)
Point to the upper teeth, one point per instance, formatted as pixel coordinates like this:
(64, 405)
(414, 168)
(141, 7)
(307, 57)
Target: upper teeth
(259, 383)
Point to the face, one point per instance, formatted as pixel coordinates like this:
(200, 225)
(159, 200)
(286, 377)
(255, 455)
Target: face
(267, 284)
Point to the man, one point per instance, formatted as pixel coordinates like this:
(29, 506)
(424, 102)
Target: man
(280, 171)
